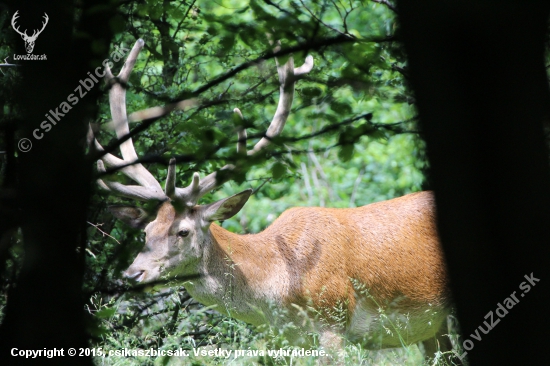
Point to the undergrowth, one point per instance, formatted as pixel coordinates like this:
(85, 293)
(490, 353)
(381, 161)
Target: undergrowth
(171, 320)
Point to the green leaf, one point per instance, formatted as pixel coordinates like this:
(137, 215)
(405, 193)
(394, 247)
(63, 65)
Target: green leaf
(97, 330)
(227, 43)
(278, 170)
(105, 313)
(342, 109)
(311, 91)
(142, 9)
(346, 152)
(177, 14)
(259, 12)
(155, 12)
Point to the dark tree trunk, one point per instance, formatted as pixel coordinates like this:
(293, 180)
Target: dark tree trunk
(477, 70)
(46, 307)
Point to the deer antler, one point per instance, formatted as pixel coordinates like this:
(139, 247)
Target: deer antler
(288, 75)
(149, 188)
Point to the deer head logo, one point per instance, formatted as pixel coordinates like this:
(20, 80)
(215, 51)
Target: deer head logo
(29, 40)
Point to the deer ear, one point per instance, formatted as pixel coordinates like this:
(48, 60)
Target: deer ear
(136, 217)
(226, 208)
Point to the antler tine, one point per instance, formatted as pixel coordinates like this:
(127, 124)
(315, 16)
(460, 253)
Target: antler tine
(149, 188)
(191, 194)
(117, 99)
(129, 191)
(128, 66)
(305, 68)
(170, 187)
(241, 133)
(287, 77)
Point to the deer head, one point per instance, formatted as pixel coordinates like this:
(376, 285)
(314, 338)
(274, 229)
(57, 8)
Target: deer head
(29, 40)
(178, 229)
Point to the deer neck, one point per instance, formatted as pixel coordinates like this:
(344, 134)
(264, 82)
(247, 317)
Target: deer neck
(236, 271)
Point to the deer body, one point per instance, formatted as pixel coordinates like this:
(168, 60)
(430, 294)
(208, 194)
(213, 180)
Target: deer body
(308, 257)
(373, 274)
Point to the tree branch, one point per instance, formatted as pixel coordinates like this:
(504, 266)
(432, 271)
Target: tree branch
(387, 3)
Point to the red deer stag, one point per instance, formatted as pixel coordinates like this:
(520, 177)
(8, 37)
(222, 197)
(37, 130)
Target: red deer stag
(380, 264)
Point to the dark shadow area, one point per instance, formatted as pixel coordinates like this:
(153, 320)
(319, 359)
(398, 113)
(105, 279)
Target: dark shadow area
(477, 70)
(52, 180)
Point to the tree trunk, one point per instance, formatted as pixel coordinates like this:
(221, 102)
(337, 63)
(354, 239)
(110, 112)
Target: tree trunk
(45, 308)
(477, 70)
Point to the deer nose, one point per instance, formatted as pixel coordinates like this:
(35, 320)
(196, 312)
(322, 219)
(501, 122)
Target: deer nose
(135, 276)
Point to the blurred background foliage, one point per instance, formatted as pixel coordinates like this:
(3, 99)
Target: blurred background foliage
(351, 138)
(356, 94)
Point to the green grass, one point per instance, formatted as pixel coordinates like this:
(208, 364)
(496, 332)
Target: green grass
(171, 320)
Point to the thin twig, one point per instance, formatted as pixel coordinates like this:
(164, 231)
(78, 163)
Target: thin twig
(184, 18)
(387, 3)
(345, 20)
(269, 2)
(325, 24)
(188, 158)
(340, 39)
(261, 185)
(102, 232)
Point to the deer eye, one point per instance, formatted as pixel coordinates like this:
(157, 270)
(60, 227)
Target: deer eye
(183, 233)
